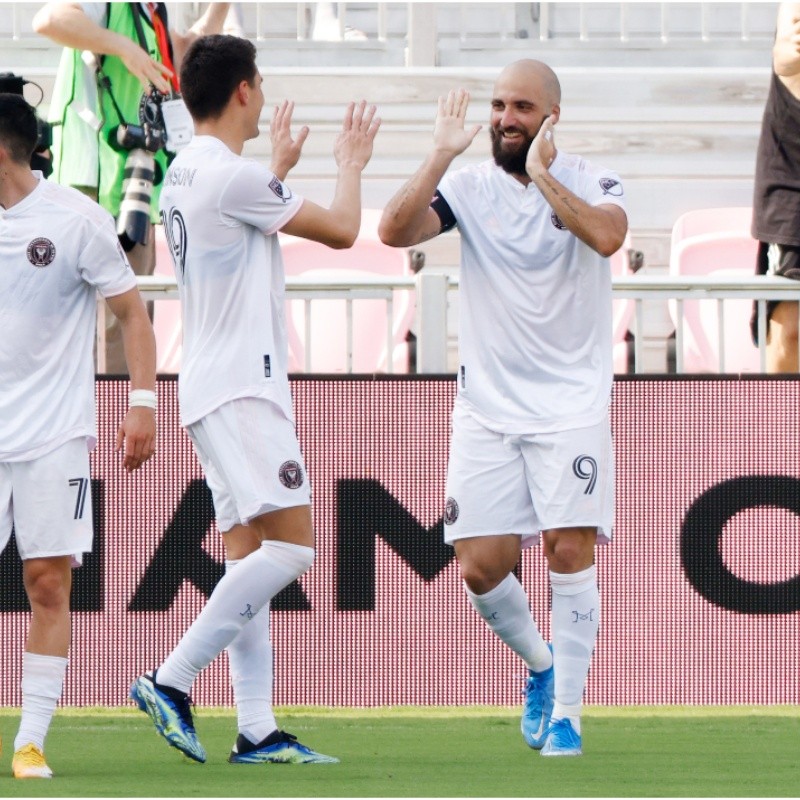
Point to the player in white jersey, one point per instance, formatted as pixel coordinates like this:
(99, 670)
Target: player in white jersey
(57, 250)
(222, 214)
(531, 448)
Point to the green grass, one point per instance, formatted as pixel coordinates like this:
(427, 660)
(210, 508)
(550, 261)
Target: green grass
(440, 752)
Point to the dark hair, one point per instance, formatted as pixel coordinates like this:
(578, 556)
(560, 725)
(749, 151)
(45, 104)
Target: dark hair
(212, 69)
(18, 128)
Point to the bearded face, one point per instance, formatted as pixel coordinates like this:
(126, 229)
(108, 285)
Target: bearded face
(510, 148)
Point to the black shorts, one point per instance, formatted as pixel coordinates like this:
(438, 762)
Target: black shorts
(788, 266)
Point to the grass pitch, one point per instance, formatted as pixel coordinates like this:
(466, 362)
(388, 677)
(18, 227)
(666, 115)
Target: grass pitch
(414, 752)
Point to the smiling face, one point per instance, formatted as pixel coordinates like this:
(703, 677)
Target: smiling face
(525, 95)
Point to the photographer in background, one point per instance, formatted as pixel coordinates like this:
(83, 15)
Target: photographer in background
(120, 61)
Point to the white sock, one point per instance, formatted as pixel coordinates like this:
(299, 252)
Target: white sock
(250, 657)
(505, 610)
(42, 680)
(575, 619)
(236, 599)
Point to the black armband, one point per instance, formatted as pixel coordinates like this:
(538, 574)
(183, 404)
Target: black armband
(444, 212)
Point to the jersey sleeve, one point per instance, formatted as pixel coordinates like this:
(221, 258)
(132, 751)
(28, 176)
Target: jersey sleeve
(255, 196)
(103, 263)
(603, 187)
(448, 190)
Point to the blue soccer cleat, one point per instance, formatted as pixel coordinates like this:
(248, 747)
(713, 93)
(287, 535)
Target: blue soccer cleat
(169, 711)
(278, 748)
(539, 694)
(562, 740)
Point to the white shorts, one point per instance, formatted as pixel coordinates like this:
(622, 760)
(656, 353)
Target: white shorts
(251, 457)
(48, 501)
(525, 484)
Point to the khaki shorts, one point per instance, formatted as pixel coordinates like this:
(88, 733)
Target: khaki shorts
(525, 484)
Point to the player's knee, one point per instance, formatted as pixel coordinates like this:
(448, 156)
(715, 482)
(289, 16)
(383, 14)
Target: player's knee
(480, 578)
(47, 591)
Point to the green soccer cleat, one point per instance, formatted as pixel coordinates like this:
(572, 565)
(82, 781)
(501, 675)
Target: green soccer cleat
(278, 748)
(169, 711)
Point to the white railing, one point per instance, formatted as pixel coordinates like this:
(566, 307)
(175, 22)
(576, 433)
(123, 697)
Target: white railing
(431, 292)
(420, 29)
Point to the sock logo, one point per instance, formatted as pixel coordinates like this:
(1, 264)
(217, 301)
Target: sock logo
(587, 617)
(585, 468)
(248, 612)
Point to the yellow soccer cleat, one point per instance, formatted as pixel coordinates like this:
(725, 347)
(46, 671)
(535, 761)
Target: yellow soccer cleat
(28, 762)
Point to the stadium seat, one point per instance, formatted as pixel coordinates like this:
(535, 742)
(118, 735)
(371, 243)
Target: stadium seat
(623, 309)
(166, 314)
(328, 346)
(715, 242)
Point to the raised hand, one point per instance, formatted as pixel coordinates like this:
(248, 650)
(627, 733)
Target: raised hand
(543, 148)
(285, 150)
(448, 133)
(354, 144)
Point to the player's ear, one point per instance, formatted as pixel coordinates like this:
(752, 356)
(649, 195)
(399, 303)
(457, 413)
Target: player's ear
(556, 112)
(243, 92)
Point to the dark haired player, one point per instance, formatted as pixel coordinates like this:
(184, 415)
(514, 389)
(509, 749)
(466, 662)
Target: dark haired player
(531, 450)
(222, 213)
(58, 249)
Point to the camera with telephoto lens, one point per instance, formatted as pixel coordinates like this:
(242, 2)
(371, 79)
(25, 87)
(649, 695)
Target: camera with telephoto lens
(41, 158)
(133, 222)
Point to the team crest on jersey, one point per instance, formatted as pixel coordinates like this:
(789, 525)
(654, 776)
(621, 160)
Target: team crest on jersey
(610, 186)
(450, 511)
(41, 252)
(554, 218)
(291, 474)
(284, 192)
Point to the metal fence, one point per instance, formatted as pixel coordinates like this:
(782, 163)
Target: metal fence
(432, 296)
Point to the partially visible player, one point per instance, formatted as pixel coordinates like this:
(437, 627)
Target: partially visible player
(57, 250)
(221, 214)
(531, 450)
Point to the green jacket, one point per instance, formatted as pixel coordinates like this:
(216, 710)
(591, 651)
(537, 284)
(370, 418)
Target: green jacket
(70, 129)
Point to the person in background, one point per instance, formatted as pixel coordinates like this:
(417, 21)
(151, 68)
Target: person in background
(116, 57)
(776, 198)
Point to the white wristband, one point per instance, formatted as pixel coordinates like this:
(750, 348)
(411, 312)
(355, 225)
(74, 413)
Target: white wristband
(142, 397)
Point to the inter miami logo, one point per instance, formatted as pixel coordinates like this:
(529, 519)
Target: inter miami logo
(450, 511)
(284, 192)
(610, 186)
(554, 218)
(175, 232)
(41, 252)
(291, 474)
(585, 468)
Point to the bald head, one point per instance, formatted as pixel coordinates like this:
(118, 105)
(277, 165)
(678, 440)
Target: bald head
(536, 75)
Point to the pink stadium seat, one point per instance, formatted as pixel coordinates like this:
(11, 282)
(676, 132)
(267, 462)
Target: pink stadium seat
(167, 314)
(623, 309)
(715, 242)
(369, 256)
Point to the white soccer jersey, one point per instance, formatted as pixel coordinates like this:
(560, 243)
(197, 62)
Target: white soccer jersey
(221, 214)
(535, 301)
(57, 249)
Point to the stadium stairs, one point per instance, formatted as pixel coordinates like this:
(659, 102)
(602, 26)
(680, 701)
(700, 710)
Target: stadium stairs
(678, 119)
